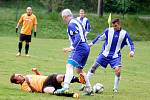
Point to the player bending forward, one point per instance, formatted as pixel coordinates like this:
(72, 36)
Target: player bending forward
(79, 49)
(115, 39)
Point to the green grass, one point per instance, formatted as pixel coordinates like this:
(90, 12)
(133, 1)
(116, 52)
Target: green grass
(47, 55)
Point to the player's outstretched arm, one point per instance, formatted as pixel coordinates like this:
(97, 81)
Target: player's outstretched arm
(36, 71)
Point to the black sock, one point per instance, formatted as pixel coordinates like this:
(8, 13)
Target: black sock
(26, 48)
(75, 79)
(65, 94)
(20, 46)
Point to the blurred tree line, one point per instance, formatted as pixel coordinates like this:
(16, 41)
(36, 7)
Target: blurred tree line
(116, 6)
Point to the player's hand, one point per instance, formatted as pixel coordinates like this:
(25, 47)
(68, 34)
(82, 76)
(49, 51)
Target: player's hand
(90, 44)
(34, 34)
(67, 49)
(131, 54)
(16, 29)
(34, 69)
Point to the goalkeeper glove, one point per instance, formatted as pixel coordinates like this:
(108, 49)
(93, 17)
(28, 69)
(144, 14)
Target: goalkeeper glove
(16, 30)
(34, 34)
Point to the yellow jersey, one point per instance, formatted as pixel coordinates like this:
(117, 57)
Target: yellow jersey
(36, 81)
(27, 23)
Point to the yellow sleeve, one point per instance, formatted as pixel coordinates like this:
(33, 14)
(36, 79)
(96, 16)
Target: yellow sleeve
(25, 87)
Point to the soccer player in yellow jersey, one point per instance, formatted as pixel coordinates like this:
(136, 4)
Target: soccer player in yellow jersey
(43, 84)
(28, 21)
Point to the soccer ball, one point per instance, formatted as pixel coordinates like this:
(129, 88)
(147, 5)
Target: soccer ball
(98, 88)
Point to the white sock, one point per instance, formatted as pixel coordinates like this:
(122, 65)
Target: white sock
(88, 84)
(68, 77)
(116, 82)
(89, 74)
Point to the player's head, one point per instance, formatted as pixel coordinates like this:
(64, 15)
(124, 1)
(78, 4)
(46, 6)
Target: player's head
(66, 15)
(82, 13)
(17, 79)
(60, 78)
(29, 11)
(116, 24)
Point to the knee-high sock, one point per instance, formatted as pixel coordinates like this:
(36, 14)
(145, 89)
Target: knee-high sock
(88, 84)
(68, 77)
(26, 48)
(20, 46)
(92, 70)
(116, 81)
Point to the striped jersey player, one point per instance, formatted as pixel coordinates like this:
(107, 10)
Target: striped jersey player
(79, 49)
(85, 22)
(115, 39)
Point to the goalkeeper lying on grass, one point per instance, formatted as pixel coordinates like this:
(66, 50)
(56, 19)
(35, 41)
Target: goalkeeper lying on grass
(44, 84)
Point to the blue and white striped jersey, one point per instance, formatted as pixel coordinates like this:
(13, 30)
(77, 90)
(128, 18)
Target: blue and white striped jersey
(114, 42)
(76, 33)
(86, 24)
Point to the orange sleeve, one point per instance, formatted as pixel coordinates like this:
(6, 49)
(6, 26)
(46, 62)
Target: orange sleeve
(20, 20)
(35, 21)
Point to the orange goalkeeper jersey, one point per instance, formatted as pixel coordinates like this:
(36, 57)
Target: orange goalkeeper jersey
(36, 81)
(27, 23)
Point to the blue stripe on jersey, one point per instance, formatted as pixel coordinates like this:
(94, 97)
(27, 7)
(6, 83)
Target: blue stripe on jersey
(114, 42)
(129, 42)
(88, 26)
(76, 33)
(85, 22)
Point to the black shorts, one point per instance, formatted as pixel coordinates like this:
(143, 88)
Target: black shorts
(26, 38)
(51, 82)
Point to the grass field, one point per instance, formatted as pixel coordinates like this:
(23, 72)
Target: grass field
(47, 55)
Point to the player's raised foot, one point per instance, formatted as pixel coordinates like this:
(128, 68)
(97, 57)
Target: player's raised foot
(18, 54)
(62, 90)
(81, 78)
(76, 95)
(27, 55)
(115, 91)
(82, 88)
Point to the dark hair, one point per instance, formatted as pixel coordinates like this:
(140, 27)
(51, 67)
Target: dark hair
(115, 20)
(12, 80)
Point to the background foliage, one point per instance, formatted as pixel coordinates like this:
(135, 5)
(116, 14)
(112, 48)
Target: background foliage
(51, 25)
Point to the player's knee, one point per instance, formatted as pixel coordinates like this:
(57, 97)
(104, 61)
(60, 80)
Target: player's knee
(118, 71)
(79, 71)
(94, 67)
(49, 90)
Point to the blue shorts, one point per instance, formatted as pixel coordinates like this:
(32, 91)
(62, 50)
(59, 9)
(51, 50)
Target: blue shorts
(78, 58)
(104, 61)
